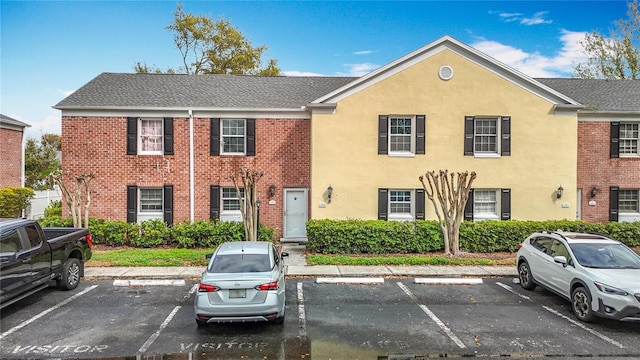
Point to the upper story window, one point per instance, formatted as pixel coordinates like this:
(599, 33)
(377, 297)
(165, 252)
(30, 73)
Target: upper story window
(233, 137)
(401, 135)
(149, 136)
(487, 136)
(629, 139)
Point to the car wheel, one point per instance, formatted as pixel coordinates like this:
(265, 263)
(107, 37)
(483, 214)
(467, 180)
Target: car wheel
(581, 304)
(70, 274)
(201, 323)
(524, 273)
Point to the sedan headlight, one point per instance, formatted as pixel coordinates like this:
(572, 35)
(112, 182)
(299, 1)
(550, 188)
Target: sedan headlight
(610, 289)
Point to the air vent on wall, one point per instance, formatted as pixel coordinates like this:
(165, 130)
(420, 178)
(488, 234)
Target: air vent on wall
(445, 72)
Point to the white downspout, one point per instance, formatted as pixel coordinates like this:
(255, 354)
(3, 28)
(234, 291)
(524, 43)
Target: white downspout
(191, 171)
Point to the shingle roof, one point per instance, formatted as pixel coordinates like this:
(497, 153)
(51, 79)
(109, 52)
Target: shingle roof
(11, 121)
(116, 90)
(600, 94)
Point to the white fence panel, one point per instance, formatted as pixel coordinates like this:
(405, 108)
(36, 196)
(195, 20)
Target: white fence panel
(39, 202)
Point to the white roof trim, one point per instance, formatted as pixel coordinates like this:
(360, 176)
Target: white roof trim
(197, 112)
(447, 43)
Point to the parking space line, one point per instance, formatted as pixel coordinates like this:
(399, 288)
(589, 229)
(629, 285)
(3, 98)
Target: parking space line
(448, 281)
(433, 316)
(345, 280)
(572, 321)
(25, 323)
(165, 323)
(302, 317)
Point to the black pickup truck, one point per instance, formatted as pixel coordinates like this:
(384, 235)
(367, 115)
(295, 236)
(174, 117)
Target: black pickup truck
(31, 256)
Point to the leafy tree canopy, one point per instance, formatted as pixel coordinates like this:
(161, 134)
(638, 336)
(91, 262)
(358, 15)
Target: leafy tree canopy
(41, 159)
(616, 56)
(213, 47)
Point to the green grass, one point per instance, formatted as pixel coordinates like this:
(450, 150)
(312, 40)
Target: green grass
(149, 257)
(393, 260)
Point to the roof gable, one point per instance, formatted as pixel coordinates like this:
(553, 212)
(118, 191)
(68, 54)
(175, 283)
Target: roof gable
(429, 50)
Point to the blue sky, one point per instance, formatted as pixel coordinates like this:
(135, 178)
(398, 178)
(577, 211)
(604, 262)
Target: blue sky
(49, 49)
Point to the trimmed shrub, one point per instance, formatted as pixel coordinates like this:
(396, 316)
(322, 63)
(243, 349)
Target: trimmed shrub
(13, 200)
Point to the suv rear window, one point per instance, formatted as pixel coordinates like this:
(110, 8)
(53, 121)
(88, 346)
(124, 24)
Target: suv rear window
(240, 263)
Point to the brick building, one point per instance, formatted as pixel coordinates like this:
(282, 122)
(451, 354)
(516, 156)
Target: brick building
(11, 151)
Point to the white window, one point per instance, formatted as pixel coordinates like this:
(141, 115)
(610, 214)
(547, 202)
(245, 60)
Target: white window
(485, 137)
(150, 136)
(150, 204)
(629, 138)
(400, 205)
(231, 204)
(485, 205)
(233, 136)
(628, 201)
(401, 130)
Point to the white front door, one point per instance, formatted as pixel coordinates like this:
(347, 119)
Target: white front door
(295, 213)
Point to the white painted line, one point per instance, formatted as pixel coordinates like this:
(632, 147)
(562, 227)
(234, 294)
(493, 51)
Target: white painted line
(448, 281)
(302, 317)
(433, 316)
(164, 324)
(346, 280)
(65, 302)
(582, 326)
(149, 283)
(572, 321)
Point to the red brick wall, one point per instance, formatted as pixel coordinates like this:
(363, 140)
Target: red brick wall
(596, 168)
(10, 157)
(98, 145)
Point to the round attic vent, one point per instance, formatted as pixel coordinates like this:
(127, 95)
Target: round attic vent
(445, 72)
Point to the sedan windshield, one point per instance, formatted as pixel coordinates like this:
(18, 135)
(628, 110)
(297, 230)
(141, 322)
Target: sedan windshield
(606, 256)
(240, 263)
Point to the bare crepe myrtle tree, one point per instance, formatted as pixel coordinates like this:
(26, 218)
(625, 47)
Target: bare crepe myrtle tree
(452, 192)
(76, 192)
(248, 178)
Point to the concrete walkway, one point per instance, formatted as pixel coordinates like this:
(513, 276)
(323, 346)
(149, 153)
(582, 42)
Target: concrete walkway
(296, 266)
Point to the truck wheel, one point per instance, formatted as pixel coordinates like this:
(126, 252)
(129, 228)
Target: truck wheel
(70, 274)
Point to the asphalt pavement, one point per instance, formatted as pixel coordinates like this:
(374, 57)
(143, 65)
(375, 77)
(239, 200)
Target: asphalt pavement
(296, 266)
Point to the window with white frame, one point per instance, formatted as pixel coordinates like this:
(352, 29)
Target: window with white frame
(231, 204)
(150, 136)
(400, 205)
(401, 130)
(485, 204)
(233, 136)
(629, 201)
(485, 135)
(150, 204)
(629, 138)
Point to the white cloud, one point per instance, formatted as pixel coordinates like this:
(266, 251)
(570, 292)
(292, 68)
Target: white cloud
(300, 73)
(363, 52)
(66, 92)
(51, 124)
(359, 69)
(535, 19)
(535, 64)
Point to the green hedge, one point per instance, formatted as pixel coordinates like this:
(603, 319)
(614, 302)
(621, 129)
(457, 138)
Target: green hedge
(392, 237)
(155, 233)
(13, 200)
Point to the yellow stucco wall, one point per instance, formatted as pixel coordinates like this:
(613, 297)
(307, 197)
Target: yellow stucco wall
(344, 144)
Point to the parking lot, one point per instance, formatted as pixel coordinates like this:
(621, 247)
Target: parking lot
(397, 318)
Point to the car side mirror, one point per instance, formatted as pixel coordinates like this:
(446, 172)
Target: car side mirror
(209, 256)
(8, 257)
(284, 255)
(560, 260)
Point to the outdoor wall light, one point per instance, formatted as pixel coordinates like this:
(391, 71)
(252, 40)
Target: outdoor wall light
(559, 192)
(594, 191)
(329, 193)
(272, 190)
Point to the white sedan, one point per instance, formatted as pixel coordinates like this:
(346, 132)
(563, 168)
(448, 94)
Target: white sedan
(599, 275)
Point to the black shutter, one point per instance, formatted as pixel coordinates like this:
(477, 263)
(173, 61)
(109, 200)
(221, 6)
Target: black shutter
(132, 135)
(167, 206)
(613, 203)
(251, 137)
(383, 134)
(168, 136)
(420, 132)
(420, 213)
(468, 208)
(214, 202)
(505, 204)
(383, 198)
(132, 203)
(506, 136)
(214, 137)
(468, 135)
(615, 140)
